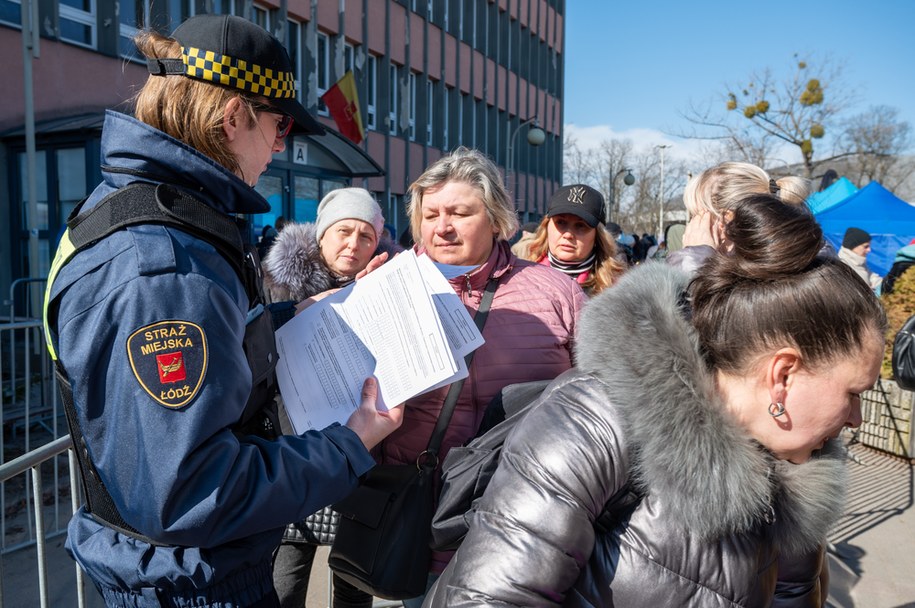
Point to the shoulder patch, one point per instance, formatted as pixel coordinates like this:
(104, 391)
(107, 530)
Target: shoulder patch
(169, 360)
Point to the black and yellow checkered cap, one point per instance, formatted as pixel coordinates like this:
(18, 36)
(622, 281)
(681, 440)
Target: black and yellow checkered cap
(237, 53)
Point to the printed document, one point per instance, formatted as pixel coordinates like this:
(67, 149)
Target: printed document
(402, 323)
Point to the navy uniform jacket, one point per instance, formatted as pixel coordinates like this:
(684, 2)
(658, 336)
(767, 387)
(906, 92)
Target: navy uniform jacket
(149, 329)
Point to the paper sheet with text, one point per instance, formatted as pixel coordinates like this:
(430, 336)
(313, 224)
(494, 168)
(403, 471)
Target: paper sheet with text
(402, 323)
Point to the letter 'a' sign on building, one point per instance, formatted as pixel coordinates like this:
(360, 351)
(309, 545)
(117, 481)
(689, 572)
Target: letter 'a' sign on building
(300, 152)
(169, 360)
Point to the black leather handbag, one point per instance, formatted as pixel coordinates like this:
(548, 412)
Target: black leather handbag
(383, 540)
(320, 527)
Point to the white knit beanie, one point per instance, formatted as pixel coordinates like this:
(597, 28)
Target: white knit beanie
(348, 204)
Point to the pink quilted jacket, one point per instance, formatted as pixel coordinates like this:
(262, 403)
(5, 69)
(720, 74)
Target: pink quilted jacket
(529, 335)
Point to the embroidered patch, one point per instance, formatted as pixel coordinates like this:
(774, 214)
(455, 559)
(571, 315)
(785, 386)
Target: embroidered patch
(169, 360)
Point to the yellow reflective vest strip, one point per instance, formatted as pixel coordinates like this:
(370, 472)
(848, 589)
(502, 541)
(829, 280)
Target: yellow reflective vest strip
(65, 251)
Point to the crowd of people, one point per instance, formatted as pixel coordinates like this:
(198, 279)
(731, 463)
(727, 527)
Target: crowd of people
(756, 342)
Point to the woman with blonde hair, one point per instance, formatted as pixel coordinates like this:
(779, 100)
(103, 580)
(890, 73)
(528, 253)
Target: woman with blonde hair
(710, 198)
(572, 239)
(461, 215)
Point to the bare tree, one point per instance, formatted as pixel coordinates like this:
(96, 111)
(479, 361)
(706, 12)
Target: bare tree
(578, 166)
(756, 116)
(875, 141)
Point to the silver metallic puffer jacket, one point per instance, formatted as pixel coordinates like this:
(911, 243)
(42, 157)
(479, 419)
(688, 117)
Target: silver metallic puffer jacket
(720, 523)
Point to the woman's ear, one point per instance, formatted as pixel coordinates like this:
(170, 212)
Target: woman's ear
(233, 118)
(779, 372)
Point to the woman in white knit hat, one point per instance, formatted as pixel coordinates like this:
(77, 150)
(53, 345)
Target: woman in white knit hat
(308, 259)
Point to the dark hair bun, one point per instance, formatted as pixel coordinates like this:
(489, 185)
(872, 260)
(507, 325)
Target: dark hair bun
(770, 239)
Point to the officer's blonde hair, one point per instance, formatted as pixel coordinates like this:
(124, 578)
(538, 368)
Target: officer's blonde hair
(187, 109)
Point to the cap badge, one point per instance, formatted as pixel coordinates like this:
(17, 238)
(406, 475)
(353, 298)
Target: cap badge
(576, 195)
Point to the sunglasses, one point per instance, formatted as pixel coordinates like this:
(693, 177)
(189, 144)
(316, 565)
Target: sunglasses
(284, 126)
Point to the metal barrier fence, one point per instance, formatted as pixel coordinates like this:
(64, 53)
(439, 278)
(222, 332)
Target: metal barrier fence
(30, 465)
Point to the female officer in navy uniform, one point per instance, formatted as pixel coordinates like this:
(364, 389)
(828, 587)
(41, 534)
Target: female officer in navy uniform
(151, 327)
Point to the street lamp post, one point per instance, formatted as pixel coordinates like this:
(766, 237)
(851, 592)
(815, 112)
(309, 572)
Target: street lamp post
(535, 137)
(628, 180)
(661, 147)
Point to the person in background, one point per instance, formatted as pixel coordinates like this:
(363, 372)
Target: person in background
(720, 431)
(708, 198)
(307, 260)
(188, 485)
(461, 214)
(904, 259)
(856, 244)
(571, 238)
(268, 236)
(521, 249)
(673, 236)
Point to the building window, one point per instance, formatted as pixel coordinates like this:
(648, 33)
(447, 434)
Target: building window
(371, 103)
(295, 43)
(323, 65)
(10, 13)
(430, 10)
(349, 54)
(412, 105)
(133, 16)
(77, 22)
(393, 84)
(446, 94)
(430, 111)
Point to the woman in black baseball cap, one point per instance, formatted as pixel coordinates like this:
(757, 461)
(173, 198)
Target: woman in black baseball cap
(572, 239)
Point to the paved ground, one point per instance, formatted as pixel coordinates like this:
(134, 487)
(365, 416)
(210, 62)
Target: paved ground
(873, 563)
(872, 566)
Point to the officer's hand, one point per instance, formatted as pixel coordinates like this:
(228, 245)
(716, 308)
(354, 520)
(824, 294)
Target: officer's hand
(371, 425)
(374, 264)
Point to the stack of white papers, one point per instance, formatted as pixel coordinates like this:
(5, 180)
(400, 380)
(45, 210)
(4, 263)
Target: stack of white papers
(402, 323)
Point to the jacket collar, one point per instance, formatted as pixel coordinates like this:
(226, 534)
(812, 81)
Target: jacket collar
(685, 447)
(500, 261)
(125, 142)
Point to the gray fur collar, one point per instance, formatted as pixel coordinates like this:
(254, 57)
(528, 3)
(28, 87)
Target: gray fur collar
(293, 268)
(684, 446)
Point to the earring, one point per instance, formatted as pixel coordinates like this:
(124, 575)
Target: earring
(776, 409)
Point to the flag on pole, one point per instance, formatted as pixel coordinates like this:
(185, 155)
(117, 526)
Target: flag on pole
(343, 103)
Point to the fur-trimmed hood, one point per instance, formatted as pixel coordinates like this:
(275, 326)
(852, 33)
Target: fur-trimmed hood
(684, 445)
(293, 268)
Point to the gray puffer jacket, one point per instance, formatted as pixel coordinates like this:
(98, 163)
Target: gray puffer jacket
(720, 522)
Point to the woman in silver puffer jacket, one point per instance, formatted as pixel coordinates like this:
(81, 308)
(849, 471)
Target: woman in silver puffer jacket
(723, 421)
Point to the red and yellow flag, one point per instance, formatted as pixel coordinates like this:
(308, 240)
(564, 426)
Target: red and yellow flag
(343, 103)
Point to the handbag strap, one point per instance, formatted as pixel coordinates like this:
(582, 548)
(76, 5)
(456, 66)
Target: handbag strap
(444, 417)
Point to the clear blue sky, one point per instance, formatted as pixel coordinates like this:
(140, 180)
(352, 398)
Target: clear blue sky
(634, 65)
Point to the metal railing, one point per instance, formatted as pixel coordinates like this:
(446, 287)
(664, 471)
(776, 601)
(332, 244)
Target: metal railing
(32, 297)
(31, 464)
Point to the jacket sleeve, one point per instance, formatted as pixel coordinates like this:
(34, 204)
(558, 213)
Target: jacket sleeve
(533, 532)
(179, 474)
(803, 581)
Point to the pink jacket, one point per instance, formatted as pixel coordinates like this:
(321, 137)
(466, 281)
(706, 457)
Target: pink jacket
(529, 336)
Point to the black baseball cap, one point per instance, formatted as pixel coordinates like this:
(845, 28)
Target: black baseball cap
(237, 53)
(579, 200)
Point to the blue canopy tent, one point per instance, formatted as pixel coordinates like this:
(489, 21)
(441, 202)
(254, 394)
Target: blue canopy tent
(837, 192)
(874, 209)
